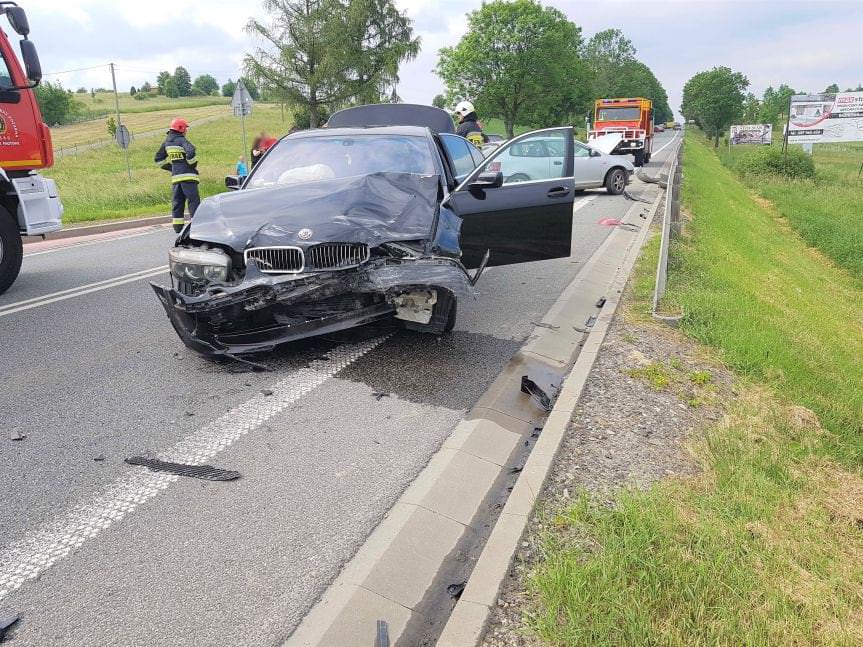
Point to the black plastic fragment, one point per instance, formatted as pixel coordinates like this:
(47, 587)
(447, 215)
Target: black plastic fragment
(380, 396)
(6, 623)
(532, 389)
(542, 324)
(206, 472)
(455, 590)
(382, 634)
(600, 302)
(17, 435)
(516, 469)
(590, 321)
(536, 432)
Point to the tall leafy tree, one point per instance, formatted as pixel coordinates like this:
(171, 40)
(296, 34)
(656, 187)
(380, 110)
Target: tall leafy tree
(833, 88)
(57, 104)
(518, 61)
(321, 54)
(161, 80)
(439, 101)
(206, 85)
(774, 105)
(228, 88)
(183, 81)
(715, 100)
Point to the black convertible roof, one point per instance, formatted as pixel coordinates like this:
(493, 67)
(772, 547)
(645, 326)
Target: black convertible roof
(393, 114)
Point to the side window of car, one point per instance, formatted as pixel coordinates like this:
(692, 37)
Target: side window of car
(477, 155)
(537, 157)
(581, 151)
(459, 152)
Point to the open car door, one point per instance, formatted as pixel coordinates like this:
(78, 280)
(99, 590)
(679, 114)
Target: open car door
(518, 204)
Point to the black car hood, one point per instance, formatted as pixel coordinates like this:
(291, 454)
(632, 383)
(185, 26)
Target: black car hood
(369, 209)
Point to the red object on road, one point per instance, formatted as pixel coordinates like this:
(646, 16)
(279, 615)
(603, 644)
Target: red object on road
(610, 222)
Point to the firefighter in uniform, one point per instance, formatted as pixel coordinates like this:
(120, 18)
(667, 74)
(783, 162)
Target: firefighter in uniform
(468, 124)
(177, 154)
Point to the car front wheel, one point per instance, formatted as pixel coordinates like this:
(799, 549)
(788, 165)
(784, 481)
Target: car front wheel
(615, 181)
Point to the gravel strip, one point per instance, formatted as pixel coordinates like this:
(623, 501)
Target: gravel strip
(649, 390)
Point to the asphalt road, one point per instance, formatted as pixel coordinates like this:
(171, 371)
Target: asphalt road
(96, 552)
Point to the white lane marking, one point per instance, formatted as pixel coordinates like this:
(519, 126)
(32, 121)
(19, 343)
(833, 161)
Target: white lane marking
(662, 148)
(87, 243)
(81, 290)
(25, 559)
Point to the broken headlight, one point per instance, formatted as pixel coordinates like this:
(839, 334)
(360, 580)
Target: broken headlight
(199, 265)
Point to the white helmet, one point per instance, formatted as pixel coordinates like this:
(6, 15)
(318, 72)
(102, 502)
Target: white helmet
(464, 108)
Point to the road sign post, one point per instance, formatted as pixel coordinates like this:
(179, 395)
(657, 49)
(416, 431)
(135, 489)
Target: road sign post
(120, 126)
(241, 104)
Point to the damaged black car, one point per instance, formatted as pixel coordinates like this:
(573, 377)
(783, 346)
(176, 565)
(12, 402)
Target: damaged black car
(384, 214)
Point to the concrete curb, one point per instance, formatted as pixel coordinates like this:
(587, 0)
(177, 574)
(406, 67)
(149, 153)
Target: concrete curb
(396, 574)
(467, 622)
(101, 228)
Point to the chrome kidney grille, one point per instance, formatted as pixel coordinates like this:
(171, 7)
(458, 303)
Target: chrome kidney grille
(336, 256)
(318, 258)
(276, 260)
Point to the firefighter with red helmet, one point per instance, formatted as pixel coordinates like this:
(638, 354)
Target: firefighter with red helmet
(177, 154)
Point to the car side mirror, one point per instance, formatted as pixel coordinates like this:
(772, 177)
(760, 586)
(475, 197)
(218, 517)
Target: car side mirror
(32, 66)
(18, 19)
(233, 182)
(488, 180)
(594, 153)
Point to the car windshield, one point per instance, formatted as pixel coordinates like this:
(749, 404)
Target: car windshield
(309, 159)
(619, 114)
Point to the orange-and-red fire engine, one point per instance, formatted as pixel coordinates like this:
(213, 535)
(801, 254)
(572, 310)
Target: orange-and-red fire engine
(633, 119)
(29, 204)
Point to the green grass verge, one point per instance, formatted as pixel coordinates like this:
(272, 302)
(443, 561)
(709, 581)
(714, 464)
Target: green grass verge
(94, 184)
(764, 547)
(103, 102)
(827, 210)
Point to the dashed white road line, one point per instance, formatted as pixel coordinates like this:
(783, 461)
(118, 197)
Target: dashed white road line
(27, 558)
(80, 290)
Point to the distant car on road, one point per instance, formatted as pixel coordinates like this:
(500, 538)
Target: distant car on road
(494, 139)
(659, 128)
(539, 157)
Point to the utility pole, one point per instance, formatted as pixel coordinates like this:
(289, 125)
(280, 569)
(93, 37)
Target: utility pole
(117, 107)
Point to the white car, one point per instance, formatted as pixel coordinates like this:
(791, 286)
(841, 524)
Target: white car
(543, 157)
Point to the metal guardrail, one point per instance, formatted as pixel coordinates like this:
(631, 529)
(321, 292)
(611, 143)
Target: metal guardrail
(671, 225)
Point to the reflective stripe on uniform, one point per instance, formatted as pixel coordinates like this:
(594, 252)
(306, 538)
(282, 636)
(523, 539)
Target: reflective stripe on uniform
(178, 221)
(192, 160)
(175, 153)
(184, 177)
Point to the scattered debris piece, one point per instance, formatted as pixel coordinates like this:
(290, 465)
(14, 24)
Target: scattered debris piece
(178, 356)
(6, 623)
(534, 391)
(17, 435)
(190, 413)
(99, 458)
(267, 391)
(600, 302)
(590, 321)
(542, 324)
(610, 222)
(536, 432)
(382, 634)
(377, 395)
(455, 590)
(207, 472)
(516, 469)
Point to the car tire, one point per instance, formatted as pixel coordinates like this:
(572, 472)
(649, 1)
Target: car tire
(11, 250)
(639, 158)
(615, 181)
(452, 316)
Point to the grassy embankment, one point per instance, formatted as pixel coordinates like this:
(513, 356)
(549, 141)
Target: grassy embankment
(827, 210)
(94, 185)
(765, 546)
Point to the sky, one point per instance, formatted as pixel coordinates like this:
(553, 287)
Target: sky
(807, 44)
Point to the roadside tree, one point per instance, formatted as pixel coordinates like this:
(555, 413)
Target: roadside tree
(206, 85)
(228, 88)
(519, 61)
(183, 81)
(322, 54)
(57, 104)
(439, 101)
(714, 99)
(162, 80)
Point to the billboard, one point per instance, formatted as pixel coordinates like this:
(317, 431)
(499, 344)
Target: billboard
(752, 134)
(826, 118)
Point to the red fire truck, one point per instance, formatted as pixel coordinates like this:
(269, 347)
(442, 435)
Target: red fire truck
(632, 118)
(29, 204)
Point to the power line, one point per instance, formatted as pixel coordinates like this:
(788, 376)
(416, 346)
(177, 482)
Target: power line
(79, 69)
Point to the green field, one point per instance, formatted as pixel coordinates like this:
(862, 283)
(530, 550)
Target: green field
(764, 547)
(103, 102)
(827, 210)
(94, 184)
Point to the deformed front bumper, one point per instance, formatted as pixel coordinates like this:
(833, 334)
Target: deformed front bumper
(255, 315)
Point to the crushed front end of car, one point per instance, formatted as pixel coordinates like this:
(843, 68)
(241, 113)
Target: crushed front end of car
(260, 268)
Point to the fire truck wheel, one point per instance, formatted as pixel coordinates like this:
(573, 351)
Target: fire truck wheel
(639, 158)
(11, 250)
(615, 181)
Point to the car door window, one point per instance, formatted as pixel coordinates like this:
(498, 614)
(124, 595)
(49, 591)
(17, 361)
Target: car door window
(476, 154)
(581, 151)
(536, 157)
(459, 152)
